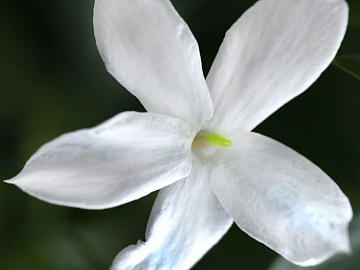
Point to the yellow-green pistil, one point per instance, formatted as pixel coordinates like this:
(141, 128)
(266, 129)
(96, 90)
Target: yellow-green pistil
(212, 139)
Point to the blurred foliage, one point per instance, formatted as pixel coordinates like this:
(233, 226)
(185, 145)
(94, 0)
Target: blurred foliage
(53, 81)
(349, 63)
(338, 262)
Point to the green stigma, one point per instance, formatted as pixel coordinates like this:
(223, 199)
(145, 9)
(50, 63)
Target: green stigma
(216, 140)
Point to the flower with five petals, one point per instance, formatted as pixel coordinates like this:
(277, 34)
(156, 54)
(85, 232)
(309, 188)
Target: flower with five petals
(195, 142)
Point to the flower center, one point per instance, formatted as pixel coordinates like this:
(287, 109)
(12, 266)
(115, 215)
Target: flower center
(212, 139)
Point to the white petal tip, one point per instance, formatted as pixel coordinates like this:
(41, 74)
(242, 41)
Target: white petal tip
(343, 248)
(348, 252)
(346, 248)
(344, 244)
(16, 180)
(9, 181)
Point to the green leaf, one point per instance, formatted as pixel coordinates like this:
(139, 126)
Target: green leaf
(349, 63)
(340, 261)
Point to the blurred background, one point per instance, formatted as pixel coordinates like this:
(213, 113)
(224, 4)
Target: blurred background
(52, 81)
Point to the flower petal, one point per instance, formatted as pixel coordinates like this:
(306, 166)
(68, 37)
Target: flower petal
(151, 51)
(282, 199)
(121, 160)
(340, 262)
(186, 221)
(274, 52)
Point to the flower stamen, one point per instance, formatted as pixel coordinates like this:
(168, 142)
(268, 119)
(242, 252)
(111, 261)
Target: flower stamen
(212, 139)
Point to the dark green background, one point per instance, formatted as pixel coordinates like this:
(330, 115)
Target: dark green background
(52, 80)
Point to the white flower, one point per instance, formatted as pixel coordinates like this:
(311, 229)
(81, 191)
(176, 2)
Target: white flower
(182, 146)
